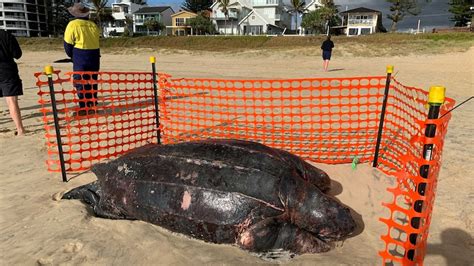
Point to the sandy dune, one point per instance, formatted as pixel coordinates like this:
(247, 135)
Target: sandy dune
(35, 229)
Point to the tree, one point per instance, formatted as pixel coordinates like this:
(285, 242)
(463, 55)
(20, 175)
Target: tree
(197, 5)
(297, 7)
(102, 13)
(128, 24)
(318, 20)
(58, 18)
(225, 7)
(399, 9)
(314, 21)
(153, 25)
(461, 12)
(201, 24)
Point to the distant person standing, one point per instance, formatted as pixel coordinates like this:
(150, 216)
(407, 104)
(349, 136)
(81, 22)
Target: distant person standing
(81, 43)
(326, 47)
(10, 83)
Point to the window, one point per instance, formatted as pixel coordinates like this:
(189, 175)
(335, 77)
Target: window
(255, 30)
(180, 21)
(353, 31)
(365, 31)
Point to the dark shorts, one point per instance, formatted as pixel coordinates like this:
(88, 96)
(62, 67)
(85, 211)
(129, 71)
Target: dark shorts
(326, 55)
(11, 87)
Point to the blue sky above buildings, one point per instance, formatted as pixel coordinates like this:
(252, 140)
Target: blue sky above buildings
(433, 14)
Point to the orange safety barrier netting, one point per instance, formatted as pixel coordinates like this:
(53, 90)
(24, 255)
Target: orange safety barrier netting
(402, 157)
(330, 120)
(120, 117)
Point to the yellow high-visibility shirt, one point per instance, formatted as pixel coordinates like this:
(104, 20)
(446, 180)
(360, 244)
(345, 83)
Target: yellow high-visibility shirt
(82, 34)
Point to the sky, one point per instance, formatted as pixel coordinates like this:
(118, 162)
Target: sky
(433, 14)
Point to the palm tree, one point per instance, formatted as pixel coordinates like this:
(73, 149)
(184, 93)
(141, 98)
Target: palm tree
(297, 7)
(224, 7)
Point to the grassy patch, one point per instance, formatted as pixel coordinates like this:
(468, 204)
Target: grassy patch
(370, 45)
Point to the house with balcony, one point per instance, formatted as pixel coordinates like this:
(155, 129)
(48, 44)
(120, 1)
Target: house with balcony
(161, 14)
(26, 18)
(122, 12)
(179, 26)
(251, 17)
(361, 21)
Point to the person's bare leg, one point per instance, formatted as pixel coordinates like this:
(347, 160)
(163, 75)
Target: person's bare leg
(12, 102)
(326, 64)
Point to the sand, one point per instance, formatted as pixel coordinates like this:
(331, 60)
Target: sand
(36, 229)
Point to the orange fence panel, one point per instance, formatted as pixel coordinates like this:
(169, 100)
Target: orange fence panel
(330, 120)
(325, 120)
(119, 118)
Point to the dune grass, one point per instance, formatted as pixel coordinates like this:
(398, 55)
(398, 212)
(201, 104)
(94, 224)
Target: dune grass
(370, 45)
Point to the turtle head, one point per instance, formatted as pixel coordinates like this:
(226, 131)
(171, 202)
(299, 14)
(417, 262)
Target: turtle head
(310, 209)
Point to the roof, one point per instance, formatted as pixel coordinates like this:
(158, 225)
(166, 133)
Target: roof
(183, 11)
(151, 9)
(361, 10)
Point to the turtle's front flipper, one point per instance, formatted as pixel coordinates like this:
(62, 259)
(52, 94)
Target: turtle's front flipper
(299, 241)
(272, 234)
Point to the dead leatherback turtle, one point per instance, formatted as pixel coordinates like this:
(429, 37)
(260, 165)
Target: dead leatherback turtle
(222, 191)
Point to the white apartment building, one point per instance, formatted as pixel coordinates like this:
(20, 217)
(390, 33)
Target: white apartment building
(25, 18)
(121, 10)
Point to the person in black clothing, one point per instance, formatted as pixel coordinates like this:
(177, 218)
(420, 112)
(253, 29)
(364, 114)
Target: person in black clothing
(327, 50)
(10, 83)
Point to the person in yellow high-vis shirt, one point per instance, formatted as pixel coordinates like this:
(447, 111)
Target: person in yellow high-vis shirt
(81, 43)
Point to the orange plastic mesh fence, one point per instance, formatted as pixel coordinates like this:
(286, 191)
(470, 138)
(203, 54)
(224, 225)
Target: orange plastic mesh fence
(402, 157)
(330, 120)
(326, 120)
(119, 118)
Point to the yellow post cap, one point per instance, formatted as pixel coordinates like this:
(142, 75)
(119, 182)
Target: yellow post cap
(152, 59)
(436, 95)
(389, 69)
(48, 70)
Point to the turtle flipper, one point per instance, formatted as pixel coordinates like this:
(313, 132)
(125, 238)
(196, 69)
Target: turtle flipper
(299, 241)
(272, 235)
(90, 194)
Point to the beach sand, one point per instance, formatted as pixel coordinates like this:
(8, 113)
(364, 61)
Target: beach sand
(36, 229)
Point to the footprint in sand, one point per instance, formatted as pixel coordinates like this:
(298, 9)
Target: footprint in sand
(73, 247)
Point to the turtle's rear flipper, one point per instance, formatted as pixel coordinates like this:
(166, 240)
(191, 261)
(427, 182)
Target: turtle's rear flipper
(88, 193)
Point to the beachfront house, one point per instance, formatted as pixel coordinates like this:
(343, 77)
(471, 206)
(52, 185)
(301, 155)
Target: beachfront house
(361, 21)
(179, 25)
(251, 17)
(122, 12)
(162, 14)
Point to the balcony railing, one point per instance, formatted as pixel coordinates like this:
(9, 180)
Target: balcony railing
(14, 17)
(265, 2)
(360, 21)
(19, 8)
(220, 16)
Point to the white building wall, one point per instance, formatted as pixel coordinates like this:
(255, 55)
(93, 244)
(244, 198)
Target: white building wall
(25, 17)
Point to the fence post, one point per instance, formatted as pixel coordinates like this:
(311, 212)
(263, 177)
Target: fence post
(435, 100)
(155, 96)
(49, 71)
(382, 115)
